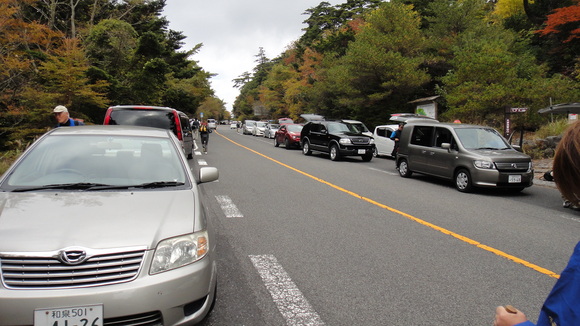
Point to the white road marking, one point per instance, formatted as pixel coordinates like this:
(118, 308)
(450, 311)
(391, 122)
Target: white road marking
(201, 162)
(288, 298)
(228, 207)
(198, 153)
(387, 172)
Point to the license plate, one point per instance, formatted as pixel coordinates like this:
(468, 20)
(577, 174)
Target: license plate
(514, 178)
(70, 316)
(362, 151)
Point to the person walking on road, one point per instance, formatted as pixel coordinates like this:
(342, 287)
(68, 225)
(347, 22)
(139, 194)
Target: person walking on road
(396, 136)
(562, 306)
(204, 132)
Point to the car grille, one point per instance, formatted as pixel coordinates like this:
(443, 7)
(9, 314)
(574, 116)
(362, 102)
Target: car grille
(513, 166)
(47, 272)
(147, 319)
(360, 140)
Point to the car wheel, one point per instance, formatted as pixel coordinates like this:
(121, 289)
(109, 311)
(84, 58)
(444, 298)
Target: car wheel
(306, 148)
(287, 143)
(367, 157)
(334, 154)
(276, 143)
(404, 169)
(463, 181)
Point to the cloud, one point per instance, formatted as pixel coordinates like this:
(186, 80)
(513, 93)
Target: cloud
(232, 33)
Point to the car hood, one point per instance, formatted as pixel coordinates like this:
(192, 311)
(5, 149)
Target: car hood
(47, 221)
(502, 155)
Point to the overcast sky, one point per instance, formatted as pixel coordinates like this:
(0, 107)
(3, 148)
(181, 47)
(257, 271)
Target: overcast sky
(232, 32)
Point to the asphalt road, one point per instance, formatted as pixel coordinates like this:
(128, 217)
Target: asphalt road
(303, 240)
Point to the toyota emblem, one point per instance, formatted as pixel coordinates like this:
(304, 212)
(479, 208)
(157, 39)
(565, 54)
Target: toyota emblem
(72, 257)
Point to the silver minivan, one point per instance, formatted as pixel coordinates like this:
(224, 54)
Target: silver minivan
(470, 155)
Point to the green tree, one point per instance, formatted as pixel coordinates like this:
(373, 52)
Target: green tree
(381, 68)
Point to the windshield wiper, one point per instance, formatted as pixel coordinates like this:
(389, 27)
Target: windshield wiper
(158, 184)
(64, 186)
(491, 148)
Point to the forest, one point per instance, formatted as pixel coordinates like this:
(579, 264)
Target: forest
(363, 59)
(88, 55)
(366, 59)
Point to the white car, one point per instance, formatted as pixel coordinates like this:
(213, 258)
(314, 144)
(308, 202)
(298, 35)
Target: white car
(271, 129)
(211, 124)
(248, 127)
(260, 128)
(383, 143)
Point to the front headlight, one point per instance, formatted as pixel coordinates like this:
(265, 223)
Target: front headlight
(372, 141)
(484, 164)
(345, 141)
(179, 251)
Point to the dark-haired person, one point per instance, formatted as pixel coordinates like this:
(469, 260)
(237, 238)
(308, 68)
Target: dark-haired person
(562, 306)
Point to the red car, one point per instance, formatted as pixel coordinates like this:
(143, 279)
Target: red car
(289, 135)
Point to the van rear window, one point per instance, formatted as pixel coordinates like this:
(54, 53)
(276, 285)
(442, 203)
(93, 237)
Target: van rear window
(422, 136)
(146, 118)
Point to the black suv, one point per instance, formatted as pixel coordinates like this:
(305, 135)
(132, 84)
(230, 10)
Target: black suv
(336, 138)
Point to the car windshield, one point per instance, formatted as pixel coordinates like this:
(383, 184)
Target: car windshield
(250, 123)
(294, 128)
(83, 162)
(260, 124)
(358, 127)
(337, 128)
(481, 138)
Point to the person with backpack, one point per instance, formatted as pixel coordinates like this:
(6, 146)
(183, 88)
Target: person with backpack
(63, 118)
(204, 132)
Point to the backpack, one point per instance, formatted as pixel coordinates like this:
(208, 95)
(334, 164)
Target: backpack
(203, 128)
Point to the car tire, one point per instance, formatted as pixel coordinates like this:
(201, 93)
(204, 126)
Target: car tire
(404, 169)
(463, 181)
(334, 153)
(276, 143)
(306, 148)
(367, 157)
(287, 143)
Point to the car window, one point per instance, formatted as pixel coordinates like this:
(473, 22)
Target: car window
(110, 160)
(422, 135)
(337, 127)
(443, 135)
(294, 128)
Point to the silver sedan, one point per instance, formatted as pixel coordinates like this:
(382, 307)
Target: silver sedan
(104, 224)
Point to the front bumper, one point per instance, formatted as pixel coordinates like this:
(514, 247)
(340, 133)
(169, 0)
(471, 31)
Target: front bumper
(501, 179)
(182, 297)
(356, 150)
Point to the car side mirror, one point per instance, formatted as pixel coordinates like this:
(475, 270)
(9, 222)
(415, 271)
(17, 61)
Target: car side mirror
(446, 146)
(208, 174)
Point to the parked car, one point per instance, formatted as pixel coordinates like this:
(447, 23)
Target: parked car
(337, 139)
(154, 116)
(470, 155)
(270, 130)
(211, 124)
(110, 231)
(248, 127)
(260, 128)
(289, 135)
(383, 143)
(283, 121)
(359, 126)
(234, 125)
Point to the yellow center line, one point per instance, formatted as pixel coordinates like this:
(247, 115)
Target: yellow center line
(411, 217)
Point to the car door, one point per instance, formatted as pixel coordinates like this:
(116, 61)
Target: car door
(420, 149)
(442, 160)
(383, 142)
